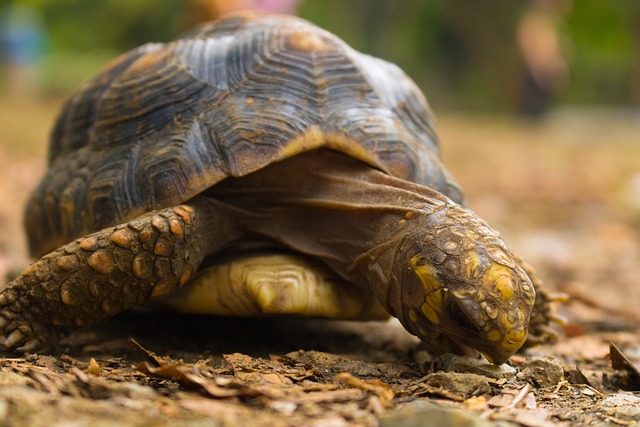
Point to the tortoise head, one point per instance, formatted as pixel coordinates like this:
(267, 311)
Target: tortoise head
(463, 288)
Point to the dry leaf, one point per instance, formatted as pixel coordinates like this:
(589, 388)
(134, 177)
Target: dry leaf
(196, 381)
(621, 362)
(81, 375)
(530, 401)
(242, 362)
(153, 358)
(376, 386)
(510, 397)
(342, 395)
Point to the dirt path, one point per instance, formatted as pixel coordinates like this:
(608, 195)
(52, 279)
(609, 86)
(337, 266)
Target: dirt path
(566, 196)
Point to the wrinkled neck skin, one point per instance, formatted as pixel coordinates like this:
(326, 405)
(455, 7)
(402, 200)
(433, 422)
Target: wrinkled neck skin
(433, 264)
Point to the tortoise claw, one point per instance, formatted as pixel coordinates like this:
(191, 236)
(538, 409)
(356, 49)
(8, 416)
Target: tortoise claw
(557, 319)
(549, 333)
(30, 346)
(559, 297)
(540, 331)
(17, 333)
(13, 339)
(20, 339)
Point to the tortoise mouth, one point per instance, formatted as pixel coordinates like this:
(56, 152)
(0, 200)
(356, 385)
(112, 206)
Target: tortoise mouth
(492, 357)
(466, 350)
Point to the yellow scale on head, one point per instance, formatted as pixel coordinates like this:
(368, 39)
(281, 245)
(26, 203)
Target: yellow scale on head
(432, 306)
(501, 278)
(472, 263)
(514, 339)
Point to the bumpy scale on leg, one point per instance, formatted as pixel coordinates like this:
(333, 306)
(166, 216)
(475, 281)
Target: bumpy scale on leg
(99, 275)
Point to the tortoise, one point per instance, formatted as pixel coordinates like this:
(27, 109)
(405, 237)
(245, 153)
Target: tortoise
(260, 165)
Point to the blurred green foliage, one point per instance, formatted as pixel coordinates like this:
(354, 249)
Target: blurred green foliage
(80, 26)
(605, 62)
(462, 53)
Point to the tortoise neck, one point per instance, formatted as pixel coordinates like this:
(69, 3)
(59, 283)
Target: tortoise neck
(357, 220)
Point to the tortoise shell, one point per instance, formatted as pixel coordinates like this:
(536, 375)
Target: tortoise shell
(164, 122)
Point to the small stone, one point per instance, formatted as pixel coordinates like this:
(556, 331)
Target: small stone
(421, 413)
(454, 363)
(134, 391)
(621, 406)
(93, 368)
(476, 403)
(542, 371)
(456, 386)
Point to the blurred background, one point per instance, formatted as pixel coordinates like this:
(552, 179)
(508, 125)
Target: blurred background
(538, 107)
(467, 56)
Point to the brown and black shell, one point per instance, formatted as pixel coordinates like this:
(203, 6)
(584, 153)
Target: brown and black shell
(164, 122)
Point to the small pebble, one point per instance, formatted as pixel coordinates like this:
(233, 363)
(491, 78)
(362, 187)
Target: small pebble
(454, 363)
(462, 385)
(421, 413)
(93, 368)
(542, 371)
(621, 406)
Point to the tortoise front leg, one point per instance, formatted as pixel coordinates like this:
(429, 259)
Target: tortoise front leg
(543, 314)
(106, 272)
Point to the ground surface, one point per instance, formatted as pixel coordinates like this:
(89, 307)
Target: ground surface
(565, 193)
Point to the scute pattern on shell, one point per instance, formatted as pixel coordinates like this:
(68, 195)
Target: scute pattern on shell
(166, 121)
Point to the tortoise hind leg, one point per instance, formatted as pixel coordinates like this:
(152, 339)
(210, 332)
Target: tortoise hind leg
(106, 272)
